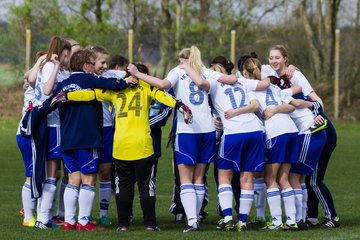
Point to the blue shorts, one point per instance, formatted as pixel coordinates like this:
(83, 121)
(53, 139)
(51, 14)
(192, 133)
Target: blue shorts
(193, 148)
(24, 145)
(282, 149)
(54, 143)
(311, 146)
(242, 152)
(105, 153)
(84, 160)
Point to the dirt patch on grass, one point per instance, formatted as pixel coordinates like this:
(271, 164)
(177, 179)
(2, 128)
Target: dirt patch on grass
(11, 100)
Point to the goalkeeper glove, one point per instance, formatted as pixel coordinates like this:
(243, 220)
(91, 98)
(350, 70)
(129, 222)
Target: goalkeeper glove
(60, 97)
(317, 108)
(185, 111)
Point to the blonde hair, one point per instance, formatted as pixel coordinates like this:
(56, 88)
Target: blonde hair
(218, 68)
(253, 67)
(194, 58)
(283, 52)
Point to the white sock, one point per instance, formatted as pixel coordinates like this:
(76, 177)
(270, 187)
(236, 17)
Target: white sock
(60, 207)
(104, 197)
(200, 194)
(28, 202)
(225, 200)
(299, 204)
(71, 195)
(246, 200)
(48, 195)
(288, 196)
(305, 199)
(260, 197)
(274, 202)
(86, 199)
(188, 200)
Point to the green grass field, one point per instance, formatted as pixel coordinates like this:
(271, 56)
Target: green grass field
(341, 179)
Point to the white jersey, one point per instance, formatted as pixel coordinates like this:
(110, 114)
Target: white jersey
(234, 96)
(53, 119)
(108, 118)
(280, 123)
(195, 98)
(29, 97)
(302, 117)
(297, 79)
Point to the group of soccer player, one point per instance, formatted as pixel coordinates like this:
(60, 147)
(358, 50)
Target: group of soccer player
(264, 127)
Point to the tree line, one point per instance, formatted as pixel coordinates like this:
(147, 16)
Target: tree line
(162, 28)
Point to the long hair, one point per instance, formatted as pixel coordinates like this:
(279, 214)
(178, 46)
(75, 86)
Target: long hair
(253, 67)
(194, 58)
(57, 46)
(224, 63)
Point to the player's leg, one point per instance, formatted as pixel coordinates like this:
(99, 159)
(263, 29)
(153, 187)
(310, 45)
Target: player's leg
(225, 195)
(144, 175)
(288, 196)
(124, 192)
(259, 197)
(28, 202)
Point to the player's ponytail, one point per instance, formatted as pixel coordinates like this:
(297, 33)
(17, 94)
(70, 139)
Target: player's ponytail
(252, 67)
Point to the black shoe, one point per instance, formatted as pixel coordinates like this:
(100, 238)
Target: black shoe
(302, 225)
(330, 223)
(179, 218)
(194, 227)
(152, 228)
(202, 216)
(225, 226)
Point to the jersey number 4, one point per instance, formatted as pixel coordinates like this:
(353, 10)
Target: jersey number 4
(134, 105)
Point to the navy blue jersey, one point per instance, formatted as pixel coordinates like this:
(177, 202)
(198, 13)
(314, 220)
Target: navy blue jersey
(81, 122)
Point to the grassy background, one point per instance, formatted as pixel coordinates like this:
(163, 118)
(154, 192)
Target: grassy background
(341, 178)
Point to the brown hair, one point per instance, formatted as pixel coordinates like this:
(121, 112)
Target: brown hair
(81, 57)
(282, 50)
(253, 67)
(99, 49)
(57, 46)
(226, 64)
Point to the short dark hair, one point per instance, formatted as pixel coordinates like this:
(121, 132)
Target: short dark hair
(118, 60)
(141, 67)
(228, 65)
(79, 58)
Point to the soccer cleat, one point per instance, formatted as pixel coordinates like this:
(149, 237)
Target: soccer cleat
(272, 227)
(257, 220)
(240, 228)
(41, 225)
(330, 223)
(122, 228)
(92, 220)
(88, 227)
(291, 227)
(30, 223)
(152, 228)
(194, 227)
(225, 226)
(179, 218)
(313, 223)
(69, 226)
(58, 220)
(104, 220)
(302, 225)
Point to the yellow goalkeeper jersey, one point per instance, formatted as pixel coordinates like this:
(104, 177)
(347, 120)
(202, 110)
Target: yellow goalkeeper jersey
(132, 139)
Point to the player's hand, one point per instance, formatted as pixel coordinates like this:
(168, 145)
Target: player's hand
(317, 109)
(228, 114)
(55, 59)
(269, 112)
(132, 81)
(60, 97)
(132, 69)
(185, 111)
(218, 124)
(319, 120)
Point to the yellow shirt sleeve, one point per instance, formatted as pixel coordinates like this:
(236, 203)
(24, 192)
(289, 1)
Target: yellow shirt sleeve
(163, 97)
(81, 95)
